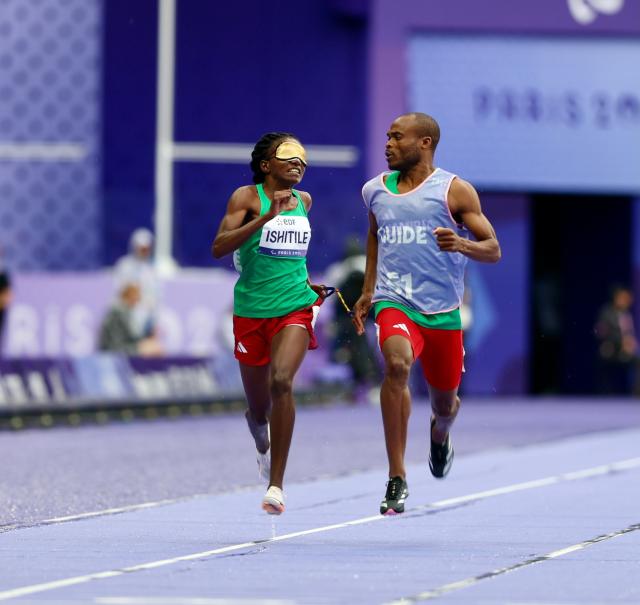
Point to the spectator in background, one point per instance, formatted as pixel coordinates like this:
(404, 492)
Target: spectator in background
(116, 332)
(137, 268)
(348, 348)
(617, 344)
(5, 297)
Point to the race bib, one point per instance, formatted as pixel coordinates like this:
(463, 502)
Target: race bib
(286, 236)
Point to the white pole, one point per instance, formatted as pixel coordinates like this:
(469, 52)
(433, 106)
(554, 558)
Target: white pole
(164, 137)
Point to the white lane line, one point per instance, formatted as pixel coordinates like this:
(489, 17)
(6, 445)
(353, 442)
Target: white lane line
(45, 586)
(555, 603)
(186, 601)
(453, 586)
(565, 477)
(587, 473)
(99, 513)
(337, 156)
(42, 151)
(572, 476)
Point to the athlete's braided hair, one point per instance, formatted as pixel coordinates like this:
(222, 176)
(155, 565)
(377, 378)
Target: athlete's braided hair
(261, 150)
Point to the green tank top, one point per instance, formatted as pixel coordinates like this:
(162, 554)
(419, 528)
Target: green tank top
(274, 279)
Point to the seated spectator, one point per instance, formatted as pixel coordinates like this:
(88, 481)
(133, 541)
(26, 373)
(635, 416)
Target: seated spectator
(117, 332)
(137, 267)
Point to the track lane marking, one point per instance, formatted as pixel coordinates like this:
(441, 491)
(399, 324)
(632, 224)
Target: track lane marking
(595, 471)
(108, 511)
(129, 508)
(187, 601)
(435, 593)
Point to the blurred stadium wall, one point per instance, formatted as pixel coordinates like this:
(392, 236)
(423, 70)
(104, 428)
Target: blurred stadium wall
(539, 107)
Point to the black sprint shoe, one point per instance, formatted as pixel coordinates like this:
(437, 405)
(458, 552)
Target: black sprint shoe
(440, 455)
(397, 493)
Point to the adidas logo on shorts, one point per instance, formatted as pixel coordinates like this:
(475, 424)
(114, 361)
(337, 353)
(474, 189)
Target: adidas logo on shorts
(241, 348)
(402, 327)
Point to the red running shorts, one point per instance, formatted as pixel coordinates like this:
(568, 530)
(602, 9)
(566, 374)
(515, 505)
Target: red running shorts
(253, 335)
(440, 351)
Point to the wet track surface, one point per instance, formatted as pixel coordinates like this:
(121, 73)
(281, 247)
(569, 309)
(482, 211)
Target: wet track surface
(529, 515)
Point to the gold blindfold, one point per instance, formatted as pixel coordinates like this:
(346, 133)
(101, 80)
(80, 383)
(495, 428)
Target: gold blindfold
(290, 150)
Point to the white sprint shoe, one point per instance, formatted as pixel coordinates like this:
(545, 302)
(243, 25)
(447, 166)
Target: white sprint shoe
(264, 465)
(273, 501)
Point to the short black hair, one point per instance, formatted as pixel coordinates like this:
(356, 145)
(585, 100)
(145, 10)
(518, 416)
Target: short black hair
(427, 127)
(261, 151)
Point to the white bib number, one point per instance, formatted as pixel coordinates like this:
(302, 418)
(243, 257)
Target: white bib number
(286, 236)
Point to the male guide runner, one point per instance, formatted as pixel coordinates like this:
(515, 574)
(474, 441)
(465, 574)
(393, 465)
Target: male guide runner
(420, 217)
